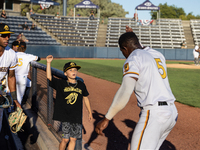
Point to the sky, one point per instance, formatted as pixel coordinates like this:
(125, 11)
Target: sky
(187, 5)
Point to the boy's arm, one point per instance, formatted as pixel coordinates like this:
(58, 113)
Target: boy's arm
(49, 58)
(87, 104)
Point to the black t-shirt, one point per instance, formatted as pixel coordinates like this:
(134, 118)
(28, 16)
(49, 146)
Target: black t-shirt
(69, 100)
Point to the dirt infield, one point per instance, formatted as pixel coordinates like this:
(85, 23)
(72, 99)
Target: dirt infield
(184, 136)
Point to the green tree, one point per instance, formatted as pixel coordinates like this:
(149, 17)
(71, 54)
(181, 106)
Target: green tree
(107, 9)
(173, 12)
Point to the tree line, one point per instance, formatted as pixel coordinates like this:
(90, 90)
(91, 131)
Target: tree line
(107, 9)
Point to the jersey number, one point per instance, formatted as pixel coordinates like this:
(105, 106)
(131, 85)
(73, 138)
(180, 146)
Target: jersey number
(20, 63)
(161, 67)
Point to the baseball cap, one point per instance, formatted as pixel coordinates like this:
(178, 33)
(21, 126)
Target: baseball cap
(22, 44)
(70, 65)
(15, 43)
(4, 29)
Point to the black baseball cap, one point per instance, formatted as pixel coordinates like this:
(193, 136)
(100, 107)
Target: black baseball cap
(22, 44)
(15, 43)
(70, 65)
(4, 29)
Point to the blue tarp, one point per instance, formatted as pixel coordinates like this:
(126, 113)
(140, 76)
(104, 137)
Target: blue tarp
(147, 5)
(86, 4)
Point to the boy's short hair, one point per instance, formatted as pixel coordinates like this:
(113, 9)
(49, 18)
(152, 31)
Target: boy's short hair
(15, 43)
(69, 65)
(22, 44)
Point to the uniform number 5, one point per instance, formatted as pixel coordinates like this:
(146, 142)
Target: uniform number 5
(20, 63)
(161, 67)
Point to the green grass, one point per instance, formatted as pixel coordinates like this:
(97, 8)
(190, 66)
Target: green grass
(184, 82)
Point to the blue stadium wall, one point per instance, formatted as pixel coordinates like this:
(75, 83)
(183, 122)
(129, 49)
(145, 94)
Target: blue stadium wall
(100, 52)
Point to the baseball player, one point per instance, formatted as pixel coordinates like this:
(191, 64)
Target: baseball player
(22, 70)
(15, 45)
(196, 55)
(8, 62)
(145, 73)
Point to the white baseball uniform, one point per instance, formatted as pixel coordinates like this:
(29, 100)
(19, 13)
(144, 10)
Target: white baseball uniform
(153, 92)
(8, 61)
(196, 54)
(22, 72)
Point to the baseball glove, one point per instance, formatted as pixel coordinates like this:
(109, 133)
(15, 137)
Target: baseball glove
(16, 120)
(5, 101)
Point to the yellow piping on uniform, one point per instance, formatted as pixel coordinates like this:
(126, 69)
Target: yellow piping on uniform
(147, 118)
(14, 66)
(131, 73)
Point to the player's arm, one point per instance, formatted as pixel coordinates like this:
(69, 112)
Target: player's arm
(87, 104)
(49, 59)
(12, 86)
(120, 100)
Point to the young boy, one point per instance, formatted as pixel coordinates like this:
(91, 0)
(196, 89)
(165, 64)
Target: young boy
(68, 104)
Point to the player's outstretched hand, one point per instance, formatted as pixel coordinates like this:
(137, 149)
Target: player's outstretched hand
(129, 29)
(101, 125)
(49, 58)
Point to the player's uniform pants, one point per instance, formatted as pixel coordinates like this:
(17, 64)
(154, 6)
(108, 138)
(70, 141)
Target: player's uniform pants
(21, 86)
(154, 125)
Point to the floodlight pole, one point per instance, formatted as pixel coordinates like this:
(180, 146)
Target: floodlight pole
(64, 7)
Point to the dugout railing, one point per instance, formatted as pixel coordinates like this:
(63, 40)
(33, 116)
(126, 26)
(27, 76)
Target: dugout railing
(41, 98)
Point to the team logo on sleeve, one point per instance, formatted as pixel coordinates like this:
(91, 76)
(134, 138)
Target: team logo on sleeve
(126, 67)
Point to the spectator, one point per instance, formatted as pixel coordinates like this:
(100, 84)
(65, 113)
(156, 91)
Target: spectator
(31, 12)
(102, 21)
(21, 37)
(135, 17)
(33, 26)
(57, 16)
(183, 45)
(3, 14)
(68, 104)
(25, 26)
(71, 13)
(15, 45)
(92, 15)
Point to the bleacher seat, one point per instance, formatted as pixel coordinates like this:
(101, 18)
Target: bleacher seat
(167, 33)
(195, 27)
(35, 37)
(79, 31)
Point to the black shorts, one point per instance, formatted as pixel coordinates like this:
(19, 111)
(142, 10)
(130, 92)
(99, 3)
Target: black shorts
(73, 130)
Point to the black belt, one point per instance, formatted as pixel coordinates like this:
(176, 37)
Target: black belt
(159, 104)
(162, 103)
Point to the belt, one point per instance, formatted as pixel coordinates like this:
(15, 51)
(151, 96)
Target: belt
(162, 103)
(159, 104)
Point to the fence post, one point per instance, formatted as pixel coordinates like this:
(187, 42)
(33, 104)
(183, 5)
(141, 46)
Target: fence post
(34, 89)
(49, 104)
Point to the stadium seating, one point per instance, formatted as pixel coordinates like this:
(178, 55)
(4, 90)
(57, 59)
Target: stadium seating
(78, 31)
(166, 33)
(195, 27)
(35, 37)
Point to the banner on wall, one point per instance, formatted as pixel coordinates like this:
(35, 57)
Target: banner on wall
(146, 22)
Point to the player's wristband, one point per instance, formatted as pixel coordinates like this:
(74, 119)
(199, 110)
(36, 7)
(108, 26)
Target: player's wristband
(14, 95)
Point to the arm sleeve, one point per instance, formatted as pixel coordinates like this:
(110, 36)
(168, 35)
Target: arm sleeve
(121, 97)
